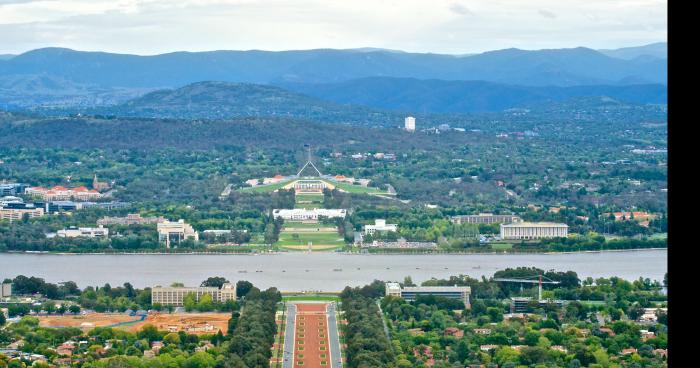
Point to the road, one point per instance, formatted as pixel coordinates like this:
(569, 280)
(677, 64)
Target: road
(288, 355)
(336, 358)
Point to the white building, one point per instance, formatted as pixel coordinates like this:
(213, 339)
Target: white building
(169, 232)
(380, 225)
(533, 230)
(6, 290)
(87, 232)
(176, 295)
(484, 218)
(410, 124)
(301, 214)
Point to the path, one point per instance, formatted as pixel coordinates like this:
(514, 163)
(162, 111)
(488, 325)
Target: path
(311, 336)
(288, 354)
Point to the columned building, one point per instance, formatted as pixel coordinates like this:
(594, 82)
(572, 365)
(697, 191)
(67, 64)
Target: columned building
(534, 230)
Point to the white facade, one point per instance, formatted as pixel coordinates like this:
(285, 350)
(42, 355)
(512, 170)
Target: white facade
(301, 214)
(380, 225)
(87, 232)
(6, 290)
(534, 230)
(176, 295)
(410, 123)
(175, 231)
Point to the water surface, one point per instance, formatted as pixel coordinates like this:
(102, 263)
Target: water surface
(316, 271)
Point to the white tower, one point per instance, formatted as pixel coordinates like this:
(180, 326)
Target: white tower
(410, 124)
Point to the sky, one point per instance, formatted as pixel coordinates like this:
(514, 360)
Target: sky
(148, 27)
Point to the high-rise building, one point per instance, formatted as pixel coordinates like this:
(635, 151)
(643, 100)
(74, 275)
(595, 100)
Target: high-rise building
(410, 123)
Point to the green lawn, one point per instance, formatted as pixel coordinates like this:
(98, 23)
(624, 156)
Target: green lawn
(309, 197)
(264, 188)
(350, 188)
(319, 238)
(302, 225)
(501, 246)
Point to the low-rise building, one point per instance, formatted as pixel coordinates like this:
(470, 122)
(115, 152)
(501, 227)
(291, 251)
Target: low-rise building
(534, 230)
(410, 293)
(175, 296)
(86, 232)
(14, 210)
(12, 189)
(60, 193)
(130, 219)
(302, 214)
(484, 218)
(175, 232)
(381, 226)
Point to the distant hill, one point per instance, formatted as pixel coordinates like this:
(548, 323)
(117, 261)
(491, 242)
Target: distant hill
(32, 91)
(560, 67)
(414, 95)
(222, 100)
(657, 50)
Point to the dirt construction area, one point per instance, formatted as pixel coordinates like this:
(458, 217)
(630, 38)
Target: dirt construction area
(190, 323)
(87, 321)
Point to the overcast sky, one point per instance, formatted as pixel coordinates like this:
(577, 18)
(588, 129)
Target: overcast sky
(441, 26)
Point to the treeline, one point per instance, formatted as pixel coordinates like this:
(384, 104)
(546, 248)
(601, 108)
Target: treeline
(254, 333)
(367, 343)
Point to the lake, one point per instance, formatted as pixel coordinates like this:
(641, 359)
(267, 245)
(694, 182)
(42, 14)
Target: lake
(316, 271)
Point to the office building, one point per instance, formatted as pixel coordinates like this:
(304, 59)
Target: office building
(175, 296)
(130, 219)
(12, 189)
(302, 214)
(410, 293)
(410, 124)
(485, 218)
(16, 210)
(175, 232)
(381, 226)
(533, 230)
(85, 232)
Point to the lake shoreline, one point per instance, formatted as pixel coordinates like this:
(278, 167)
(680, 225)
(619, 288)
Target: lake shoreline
(331, 252)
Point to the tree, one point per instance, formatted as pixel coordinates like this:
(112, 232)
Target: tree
(242, 288)
(190, 302)
(172, 338)
(2, 319)
(216, 282)
(75, 309)
(206, 303)
(149, 332)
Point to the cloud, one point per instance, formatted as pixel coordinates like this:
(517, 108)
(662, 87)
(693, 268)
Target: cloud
(547, 13)
(157, 26)
(460, 9)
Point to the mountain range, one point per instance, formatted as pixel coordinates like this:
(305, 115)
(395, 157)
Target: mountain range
(375, 78)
